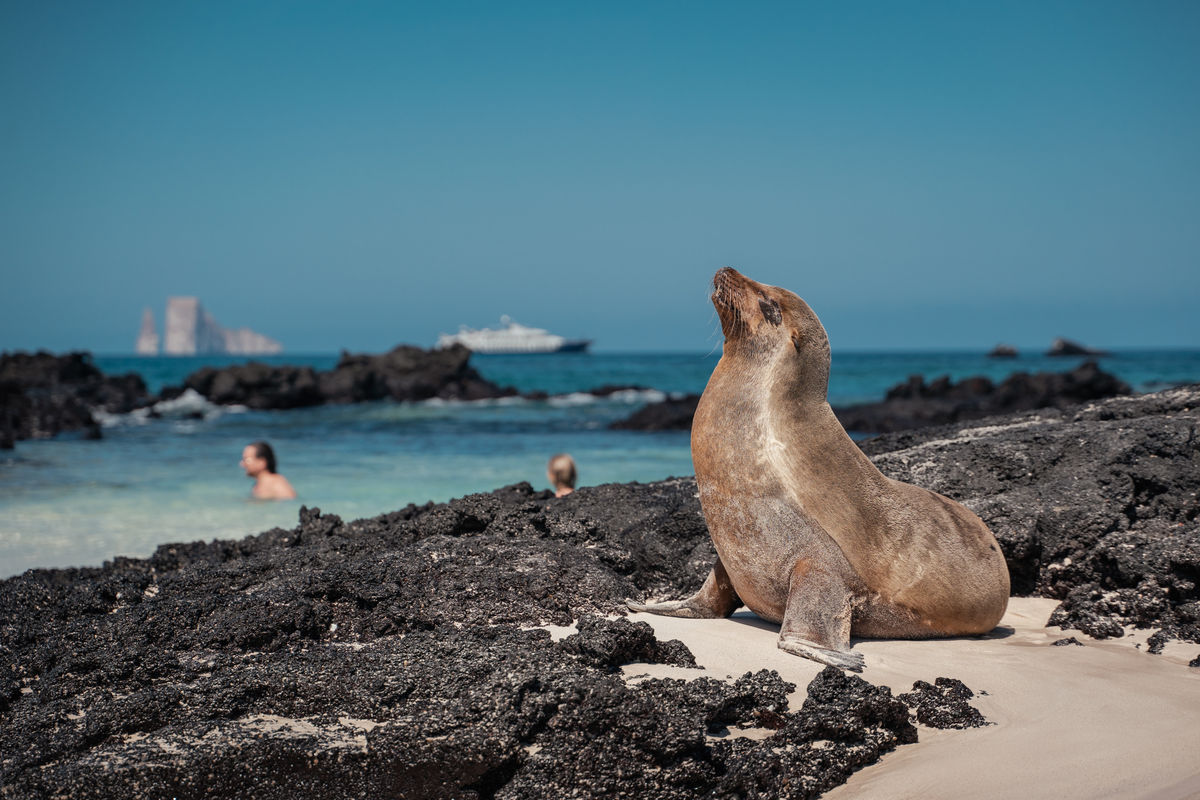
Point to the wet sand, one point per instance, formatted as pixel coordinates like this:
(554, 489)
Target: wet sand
(1105, 720)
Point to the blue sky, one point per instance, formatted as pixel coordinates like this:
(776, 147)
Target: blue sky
(925, 174)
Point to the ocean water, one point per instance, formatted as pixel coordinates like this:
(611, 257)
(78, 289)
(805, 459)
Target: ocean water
(72, 502)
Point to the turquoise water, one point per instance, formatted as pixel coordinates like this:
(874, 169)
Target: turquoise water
(69, 501)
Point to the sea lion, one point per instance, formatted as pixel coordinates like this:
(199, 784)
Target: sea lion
(808, 532)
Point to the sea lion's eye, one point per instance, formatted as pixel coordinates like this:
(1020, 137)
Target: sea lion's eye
(770, 311)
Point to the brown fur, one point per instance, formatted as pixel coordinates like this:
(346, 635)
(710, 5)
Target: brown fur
(808, 532)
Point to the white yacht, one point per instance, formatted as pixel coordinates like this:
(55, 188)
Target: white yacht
(512, 338)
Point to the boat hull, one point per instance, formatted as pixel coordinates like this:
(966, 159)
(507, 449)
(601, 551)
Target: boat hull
(510, 350)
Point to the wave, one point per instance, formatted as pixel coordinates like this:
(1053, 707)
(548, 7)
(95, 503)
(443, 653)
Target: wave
(191, 405)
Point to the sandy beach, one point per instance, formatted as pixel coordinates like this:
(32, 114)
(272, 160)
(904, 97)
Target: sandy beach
(1101, 720)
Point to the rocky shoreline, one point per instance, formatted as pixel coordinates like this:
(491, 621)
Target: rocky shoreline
(399, 655)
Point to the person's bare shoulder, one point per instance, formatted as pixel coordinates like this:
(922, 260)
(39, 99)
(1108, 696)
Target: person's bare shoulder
(274, 487)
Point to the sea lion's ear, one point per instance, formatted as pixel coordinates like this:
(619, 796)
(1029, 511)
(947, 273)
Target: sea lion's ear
(796, 339)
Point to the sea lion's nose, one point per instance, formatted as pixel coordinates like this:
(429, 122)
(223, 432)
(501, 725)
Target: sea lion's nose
(724, 276)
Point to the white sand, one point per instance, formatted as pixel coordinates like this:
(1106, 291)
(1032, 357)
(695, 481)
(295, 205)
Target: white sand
(1105, 720)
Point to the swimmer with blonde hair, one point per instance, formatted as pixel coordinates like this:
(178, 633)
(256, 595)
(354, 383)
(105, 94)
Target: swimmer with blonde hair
(561, 472)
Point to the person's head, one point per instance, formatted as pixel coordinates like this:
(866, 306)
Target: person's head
(258, 458)
(561, 471)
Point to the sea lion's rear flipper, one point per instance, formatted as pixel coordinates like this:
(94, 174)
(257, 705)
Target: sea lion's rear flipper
(816, 622)
(715, 599)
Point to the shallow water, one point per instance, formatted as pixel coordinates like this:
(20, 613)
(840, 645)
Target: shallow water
(69, 501)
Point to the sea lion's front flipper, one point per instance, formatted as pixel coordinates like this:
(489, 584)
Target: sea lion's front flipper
(816, 623)
(715, 599)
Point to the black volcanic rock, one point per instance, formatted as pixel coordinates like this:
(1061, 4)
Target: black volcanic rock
(392, 657)
(407, 373)
(256, 385)
(917, 404)
(1003, 351)
(607, 644)
(42, 395)
(844, 724)
(666, 415)
(943, 704)
(403, 373)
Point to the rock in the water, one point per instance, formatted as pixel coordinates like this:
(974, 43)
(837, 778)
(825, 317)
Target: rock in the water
(404, 373)
(667, 415)
(917, 404)
(1066, 347)
(1003, 351)
(42, 395)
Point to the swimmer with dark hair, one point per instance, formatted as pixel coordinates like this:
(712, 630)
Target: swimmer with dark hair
(258, 460)
(561, 472)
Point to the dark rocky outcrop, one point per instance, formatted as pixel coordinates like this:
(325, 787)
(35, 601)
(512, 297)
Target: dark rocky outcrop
(917, 404)
(403, 373)
(42, 395)
(668, 415)
(1003, 351)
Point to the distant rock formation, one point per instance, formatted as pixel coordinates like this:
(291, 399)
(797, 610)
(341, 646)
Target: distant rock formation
(1066, 347)
(1003, 351)
(190, 330)
(147, 341)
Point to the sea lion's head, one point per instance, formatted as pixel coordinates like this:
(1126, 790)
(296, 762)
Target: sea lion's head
(774, 328)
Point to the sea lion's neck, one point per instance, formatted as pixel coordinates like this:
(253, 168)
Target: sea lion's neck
(828, 472)
(783, 422)
(740, 405)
